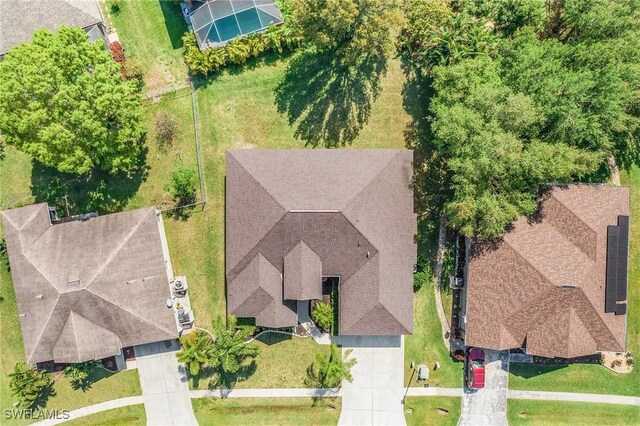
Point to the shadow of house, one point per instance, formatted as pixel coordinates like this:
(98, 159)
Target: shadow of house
(174, 21)
(99, 191)
(329, 101)
(528, 371)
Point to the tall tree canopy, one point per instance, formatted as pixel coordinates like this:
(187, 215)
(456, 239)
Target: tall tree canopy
(64, 102)
(555, 97)
(355, 28)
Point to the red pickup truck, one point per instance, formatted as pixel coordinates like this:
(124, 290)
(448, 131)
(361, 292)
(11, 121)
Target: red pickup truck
(475, 368)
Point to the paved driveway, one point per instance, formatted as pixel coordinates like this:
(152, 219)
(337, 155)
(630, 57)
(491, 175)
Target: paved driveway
(375, 395)
(488, 406)
(164, 385)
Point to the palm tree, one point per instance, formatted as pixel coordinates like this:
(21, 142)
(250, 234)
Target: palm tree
(230, 349)
(322, 314)
(216, 58)
(29, 385)
(195, 351)
(329, 371)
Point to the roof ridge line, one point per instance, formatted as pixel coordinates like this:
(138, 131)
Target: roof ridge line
(119, 247)
(600, 319)
(369, 182)
(517, 252)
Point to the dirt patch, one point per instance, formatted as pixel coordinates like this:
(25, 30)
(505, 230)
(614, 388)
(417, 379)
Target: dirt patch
(618, 362)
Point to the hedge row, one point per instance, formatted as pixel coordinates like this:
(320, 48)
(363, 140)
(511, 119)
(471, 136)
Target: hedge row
(238, 50)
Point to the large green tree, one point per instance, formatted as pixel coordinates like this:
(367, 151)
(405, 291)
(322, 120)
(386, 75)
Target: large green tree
(552, 102)
(229, 349)
(355, 28)
(64, 102)
(489, 135)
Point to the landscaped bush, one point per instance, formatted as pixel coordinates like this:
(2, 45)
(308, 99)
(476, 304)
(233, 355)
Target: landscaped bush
(183, 186)
(237, 51)
(117, 51)
(80, 373)
(322, 314)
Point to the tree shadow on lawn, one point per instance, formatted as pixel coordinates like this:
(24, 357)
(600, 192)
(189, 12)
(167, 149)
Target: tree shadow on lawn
(329, 101)
(95, 375)
(100, 192)
(221, 380)
(174, 21)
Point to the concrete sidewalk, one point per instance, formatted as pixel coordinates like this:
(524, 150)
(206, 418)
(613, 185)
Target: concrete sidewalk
(266, 393)
(375, 395)
(574, 397)
(165, 389)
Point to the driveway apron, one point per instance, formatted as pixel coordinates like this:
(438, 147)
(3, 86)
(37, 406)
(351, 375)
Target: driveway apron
(164, 385)
(488, 406)
(375, 395)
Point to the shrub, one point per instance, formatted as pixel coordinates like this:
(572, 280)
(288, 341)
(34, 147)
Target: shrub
(167, 127)
(616, 363)
(183, 186)
(322, 314)
(237, 51)
(29, 385)
(79, 373)
(117, 51)
(132, 70)
(115, 7)
(420, 279)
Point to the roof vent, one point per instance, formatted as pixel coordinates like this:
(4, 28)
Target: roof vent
(569, 286)
(39, 296)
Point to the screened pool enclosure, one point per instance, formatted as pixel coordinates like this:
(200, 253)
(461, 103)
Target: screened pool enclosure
(216, 22)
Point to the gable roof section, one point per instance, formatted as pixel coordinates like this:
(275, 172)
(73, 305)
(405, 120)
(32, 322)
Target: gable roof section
(302, 274)
(87, 288)
(19, 19)
(545, 281)
(351, 208)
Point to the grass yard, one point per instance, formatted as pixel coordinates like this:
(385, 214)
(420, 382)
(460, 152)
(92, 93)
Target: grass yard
(595, 378)
(268, 370)
(266, 411)
(133, 415)
(522, 412)
(151, 31)
(432, 410)
(425, 346)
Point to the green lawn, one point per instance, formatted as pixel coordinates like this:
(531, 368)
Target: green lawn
(151, 31)
(595, 378)
(267, 411)
(432, 410)
(521, 412)
(133, 415)
(425, 346)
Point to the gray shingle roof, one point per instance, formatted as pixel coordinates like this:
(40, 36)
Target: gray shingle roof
(19, 19)
(545, 282)
(84, 289)
(352, 208)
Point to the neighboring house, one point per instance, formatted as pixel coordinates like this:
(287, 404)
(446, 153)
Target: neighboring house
(296, 217)
(87, 288)
(216, 22)
(19, 19)
(556, 284)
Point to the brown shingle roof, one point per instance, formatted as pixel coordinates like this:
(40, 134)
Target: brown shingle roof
(84, 289)
(302, 274)
(545, 281)
(352, 208)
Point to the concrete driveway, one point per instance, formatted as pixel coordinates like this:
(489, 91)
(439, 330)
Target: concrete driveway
(488, 406)
(164, 384)
(375, 395)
